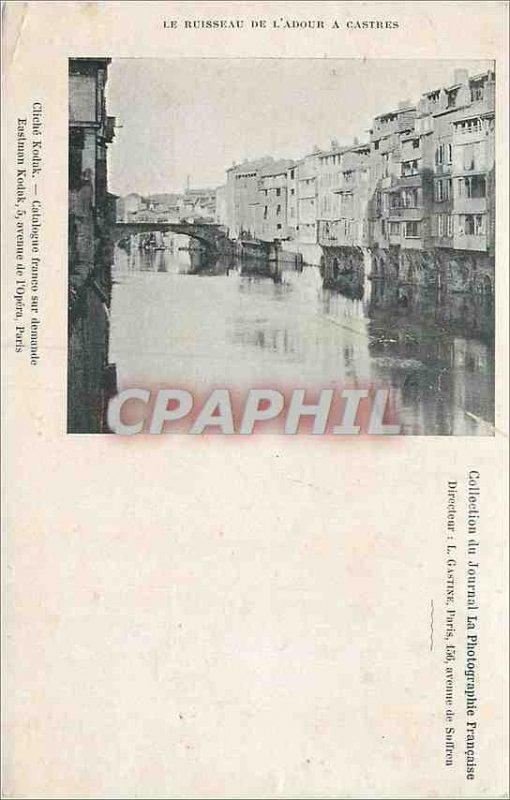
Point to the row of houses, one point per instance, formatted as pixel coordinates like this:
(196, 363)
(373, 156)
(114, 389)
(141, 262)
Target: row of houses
(415, 201)
(168, 207)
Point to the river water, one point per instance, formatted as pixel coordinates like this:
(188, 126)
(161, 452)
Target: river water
(178, 322)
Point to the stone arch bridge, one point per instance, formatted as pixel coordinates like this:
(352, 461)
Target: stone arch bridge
(212, 237)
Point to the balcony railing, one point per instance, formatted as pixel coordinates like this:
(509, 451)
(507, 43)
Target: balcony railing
(410, 180)
(470, 242)
(406, 213)
(470, 205)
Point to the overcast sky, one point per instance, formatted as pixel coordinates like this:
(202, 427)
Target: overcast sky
(195, 117)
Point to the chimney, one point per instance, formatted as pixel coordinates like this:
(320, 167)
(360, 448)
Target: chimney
(356, 141)
(334, 144)
(460, 76)
(404, 104)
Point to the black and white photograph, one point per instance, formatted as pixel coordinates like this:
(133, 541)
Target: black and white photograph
(226, 219)
(309, 223)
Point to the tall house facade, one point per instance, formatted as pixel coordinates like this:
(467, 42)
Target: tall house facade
(90, 131)
(308, 199)
(343, 202)
(91, 210)
(433, 187)
(395, 177)
(329, 181)
(473, 169)
(242, 197)
(462, 118)
(351, 228)
(275, 201)
(302, 182)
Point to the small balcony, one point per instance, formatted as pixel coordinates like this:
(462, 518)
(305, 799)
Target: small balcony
(442, 241)
(470, 205)
(468, 136)
(476, 242)
(410, 180)
(442, 169)
(405, 214)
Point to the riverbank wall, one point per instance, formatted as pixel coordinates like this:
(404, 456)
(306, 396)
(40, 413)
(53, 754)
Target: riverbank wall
(448, 270)
(264, 257)
(445, 269)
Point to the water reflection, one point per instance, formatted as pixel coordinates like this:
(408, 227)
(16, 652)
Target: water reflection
(222, 322)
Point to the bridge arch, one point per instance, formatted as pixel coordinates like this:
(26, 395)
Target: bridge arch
(208, 234)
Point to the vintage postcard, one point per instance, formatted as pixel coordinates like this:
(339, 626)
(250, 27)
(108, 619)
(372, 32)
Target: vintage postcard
(255, 345)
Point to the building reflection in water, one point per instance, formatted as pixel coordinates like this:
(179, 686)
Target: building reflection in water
(226, 323)
(437, 351)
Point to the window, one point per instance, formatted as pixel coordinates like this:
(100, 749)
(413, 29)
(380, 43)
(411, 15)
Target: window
(410, 198)
(444, 154)
(412, 230)
(469, 157)
(265, 212)
(383, 227)
(409, 168)
(292, 174)
(449, 225)
(278, 210)
(443, 190)
(293, 191)
(440, 224)
(476, 93)
(376, 145)
(416, 143)
(394, 228)
(395, 200)
(474, 225)
(473, 187)
(278, 192)
(452, 98)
